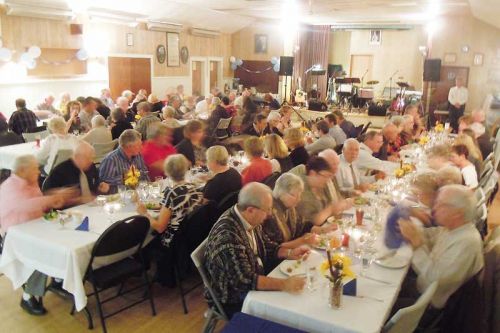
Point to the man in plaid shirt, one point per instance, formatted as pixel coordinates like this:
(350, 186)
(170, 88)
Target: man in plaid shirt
(22, 120)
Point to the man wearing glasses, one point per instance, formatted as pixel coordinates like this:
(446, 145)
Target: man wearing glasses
(238, 252)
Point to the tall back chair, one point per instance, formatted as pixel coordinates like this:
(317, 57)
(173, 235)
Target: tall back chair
(124, 235)
(228, 201)
(222, 127)
(407, 319)
(216, 312)
(491, 281)
(31, 137)
(102, 149)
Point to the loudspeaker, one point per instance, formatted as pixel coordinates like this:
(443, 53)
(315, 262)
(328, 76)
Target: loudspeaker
(332, 69)
(432, 70)
(286, 66)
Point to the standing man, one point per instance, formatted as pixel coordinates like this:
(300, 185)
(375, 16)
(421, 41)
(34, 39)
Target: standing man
(457, 98)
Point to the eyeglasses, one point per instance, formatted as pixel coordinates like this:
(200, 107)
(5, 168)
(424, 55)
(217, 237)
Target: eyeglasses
(268, 212)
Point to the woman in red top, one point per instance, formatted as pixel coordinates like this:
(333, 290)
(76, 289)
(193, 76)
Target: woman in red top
(157, 148)
(259, 168)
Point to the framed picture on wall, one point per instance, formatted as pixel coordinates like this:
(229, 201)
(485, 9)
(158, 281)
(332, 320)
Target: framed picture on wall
(375, 37)
(130, 39)
(161, 54)
(450, 58)
(173, 58)
(478, 59)
(260, 43)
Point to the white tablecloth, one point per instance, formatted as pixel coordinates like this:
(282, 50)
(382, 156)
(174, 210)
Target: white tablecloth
(60, 253)
(8, 154)
(310, 311)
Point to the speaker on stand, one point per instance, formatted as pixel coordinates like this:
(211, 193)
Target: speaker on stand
(286, 70)
(432, 73)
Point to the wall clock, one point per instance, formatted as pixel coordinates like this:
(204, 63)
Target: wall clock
(465, 48)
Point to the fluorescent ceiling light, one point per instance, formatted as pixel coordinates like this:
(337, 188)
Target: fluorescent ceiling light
(164, 26)
(403, 4)
(114, 16)
(48, 12)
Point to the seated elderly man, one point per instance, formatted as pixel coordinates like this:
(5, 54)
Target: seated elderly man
(324, 141)
(79, 172)
(118, 123)
(22, 120)
(88, 112)
(147, 118)
(349, 177)
(48, 105)
(450, 253)
(258, 126)
(238, 251)
(99, 133)
(392, 143)
(122, 159)
(372, 142)
(21, 201)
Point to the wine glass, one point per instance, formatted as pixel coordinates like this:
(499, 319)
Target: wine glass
(111, 208)
(367, 257)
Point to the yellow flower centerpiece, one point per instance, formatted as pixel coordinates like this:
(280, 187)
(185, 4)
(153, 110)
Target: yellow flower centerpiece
(423, 140)
(439, 127)
(131, 177)
(335, 269)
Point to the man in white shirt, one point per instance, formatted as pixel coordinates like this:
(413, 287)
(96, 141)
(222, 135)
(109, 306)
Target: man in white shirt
(451, 253)
(372, 142)
(351, 182)
(457, 98)
(203, 106)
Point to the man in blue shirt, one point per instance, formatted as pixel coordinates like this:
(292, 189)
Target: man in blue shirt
(119, 161)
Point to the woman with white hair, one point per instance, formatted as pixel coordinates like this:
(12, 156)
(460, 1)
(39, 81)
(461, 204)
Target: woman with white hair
(285, 226)
(274, 125)
(55, 142)
(99, 133)
(169, 117)
(179, 200)
(225, 180)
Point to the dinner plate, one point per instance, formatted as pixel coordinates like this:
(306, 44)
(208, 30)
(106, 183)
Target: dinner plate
(292, 268)
(394, 262)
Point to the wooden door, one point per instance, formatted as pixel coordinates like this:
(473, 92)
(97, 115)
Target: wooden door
(360, 64)
(214, 74)
(128, 73)
(197, 77)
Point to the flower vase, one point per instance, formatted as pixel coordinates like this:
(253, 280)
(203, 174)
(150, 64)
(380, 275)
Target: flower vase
(336, 291)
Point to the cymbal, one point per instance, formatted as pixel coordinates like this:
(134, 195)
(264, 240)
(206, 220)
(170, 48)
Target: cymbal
(402, 84)
(372, 82)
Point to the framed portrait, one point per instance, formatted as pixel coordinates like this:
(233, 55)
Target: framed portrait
(161, 53)
(260, 43)
(173, 58)
(478, 59)
(450, 58)
(375, 37)
(184, 54)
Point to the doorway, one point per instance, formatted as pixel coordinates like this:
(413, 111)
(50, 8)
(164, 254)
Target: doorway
(128, 73)
(214, 74)
(362, 65)
(197, 77)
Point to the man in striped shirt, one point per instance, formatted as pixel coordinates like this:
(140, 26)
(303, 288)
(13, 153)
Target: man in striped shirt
(119, 161)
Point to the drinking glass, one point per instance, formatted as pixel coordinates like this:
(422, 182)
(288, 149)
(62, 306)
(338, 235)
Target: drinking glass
(101, 200)
(367, 257)
(359, 216)
(63, 219)
(311, 277)
(122, 191)
(111, 208)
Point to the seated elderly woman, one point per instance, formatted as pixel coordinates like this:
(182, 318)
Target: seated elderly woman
(21, 201)
(459, 157)
(157, 148)
(294, 139)
(225, 180)
(52, 145)
(192, 145)
(259, 168)
(169, 117)
(119, 123)
(156, 104)
(449, 175)
(285, 226)
(425, 187)
(277, 152)
(179, 200)
(274, 125)
(99, 132)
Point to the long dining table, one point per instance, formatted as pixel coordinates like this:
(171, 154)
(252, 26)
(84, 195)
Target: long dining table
(8, 154)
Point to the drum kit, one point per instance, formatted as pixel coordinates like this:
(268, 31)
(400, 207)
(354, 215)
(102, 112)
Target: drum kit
(348, 92)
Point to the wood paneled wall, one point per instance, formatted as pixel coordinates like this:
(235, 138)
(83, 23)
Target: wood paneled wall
(21, 32)
(244, 47)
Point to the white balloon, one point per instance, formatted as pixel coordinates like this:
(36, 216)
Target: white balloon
(5, 54)
(82, 55)
(26, 58)
(274, 60)
(239, 62)
(232, 59)
(34, 51)
(31, 65)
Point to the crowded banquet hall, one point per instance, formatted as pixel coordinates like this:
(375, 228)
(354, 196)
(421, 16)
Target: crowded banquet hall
(323, 166)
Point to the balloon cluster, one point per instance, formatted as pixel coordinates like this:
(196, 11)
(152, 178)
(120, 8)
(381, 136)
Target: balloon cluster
(276, 64)
(82, 55)
(28, 58)
(235, 62)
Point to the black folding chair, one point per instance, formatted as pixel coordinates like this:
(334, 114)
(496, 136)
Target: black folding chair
(125, 235)
(271, 179)
(228, 201)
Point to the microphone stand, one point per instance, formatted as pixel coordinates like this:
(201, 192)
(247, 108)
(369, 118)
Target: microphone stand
(390, 84)
(363, 78)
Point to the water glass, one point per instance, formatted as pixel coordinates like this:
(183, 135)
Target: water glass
(122, 191)
(311, 277)
(111, 208)
(367, 256)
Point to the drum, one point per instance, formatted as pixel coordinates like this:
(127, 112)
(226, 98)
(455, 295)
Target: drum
(366, 93)
(345, 88)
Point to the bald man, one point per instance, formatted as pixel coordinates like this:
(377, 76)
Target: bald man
(79, 171)
(390, 149)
